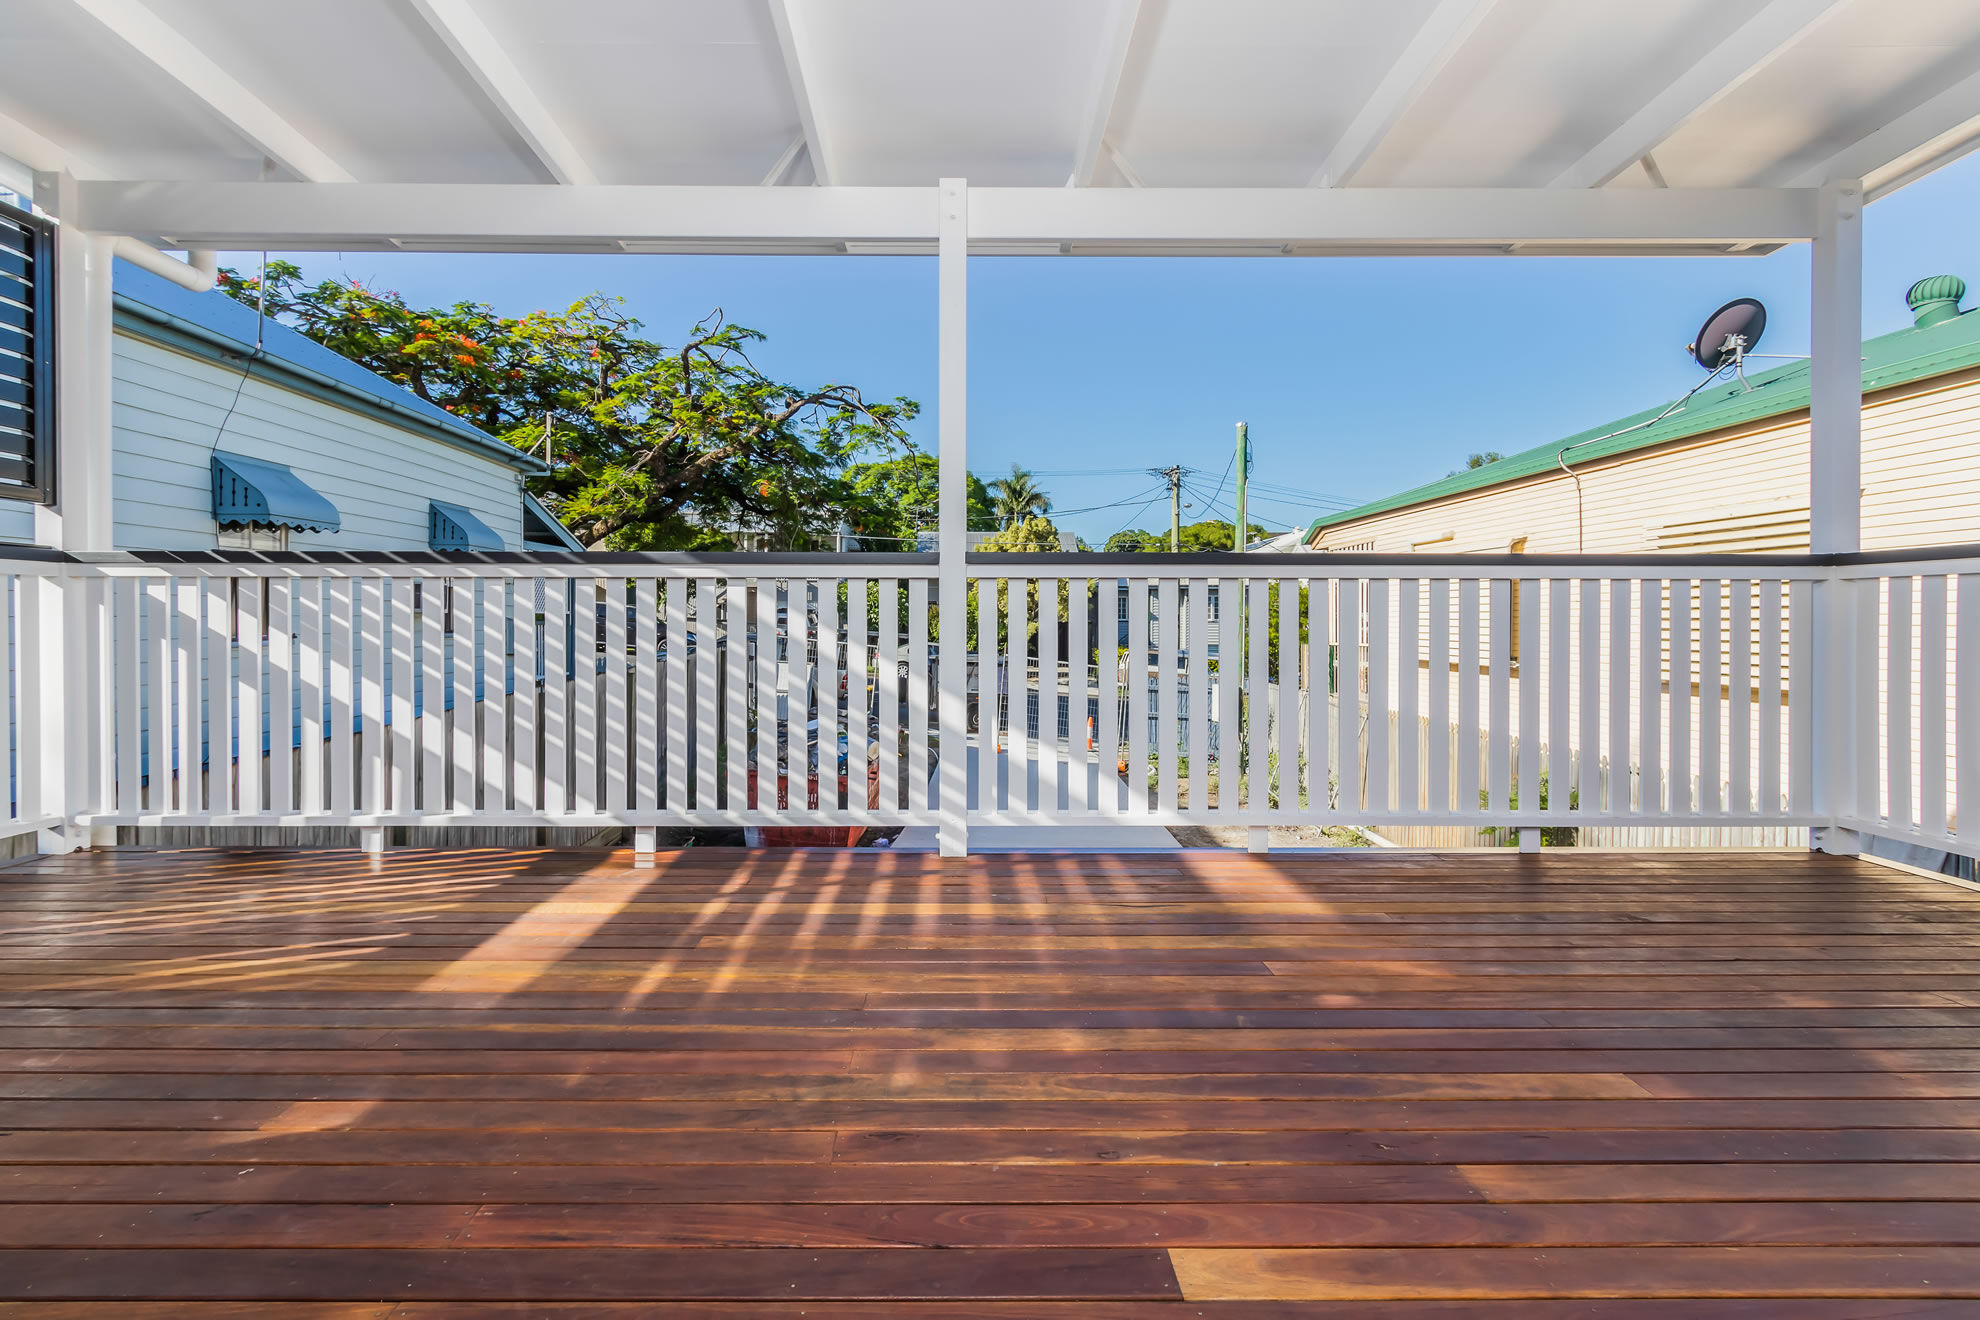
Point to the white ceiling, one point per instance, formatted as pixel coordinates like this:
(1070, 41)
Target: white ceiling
(1012, 93)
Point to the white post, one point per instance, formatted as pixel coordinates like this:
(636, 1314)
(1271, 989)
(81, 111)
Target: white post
(952, 517)
(1529, 839)
(65, 731)
(80, 518)
(1835, 481)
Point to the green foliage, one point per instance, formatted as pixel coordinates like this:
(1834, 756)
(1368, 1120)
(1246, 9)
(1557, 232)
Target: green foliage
(1477, 461)
(1017, 497)
(1029, 537)
(651, 446)
(894, 499)
(1135, 542)
(1551, 836)
(1195, 538)
(1032, 536)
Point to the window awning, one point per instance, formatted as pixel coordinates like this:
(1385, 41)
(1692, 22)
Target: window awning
(251, 492)
(451, 527)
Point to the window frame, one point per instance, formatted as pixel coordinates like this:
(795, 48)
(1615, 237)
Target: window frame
(41, 337)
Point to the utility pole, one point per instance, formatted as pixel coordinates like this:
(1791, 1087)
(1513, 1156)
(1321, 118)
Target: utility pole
(1174, 476)
(1243, 464)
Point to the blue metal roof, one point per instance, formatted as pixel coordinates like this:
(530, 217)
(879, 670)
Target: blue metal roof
(257, 493)
(217, 322)
(452, 527)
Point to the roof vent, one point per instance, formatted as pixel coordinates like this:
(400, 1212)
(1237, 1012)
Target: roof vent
(1935, 299)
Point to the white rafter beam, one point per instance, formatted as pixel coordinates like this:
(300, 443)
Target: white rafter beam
(1149, 221)
(1737, 56)
(157, 41)
(482, 55)
(1116, 40)
(780, 169)
(1442, 35)
(1942, 128)
(38, 151)
(784, 16)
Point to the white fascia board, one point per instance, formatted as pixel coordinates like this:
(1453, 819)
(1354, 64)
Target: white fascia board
(481, 54)
(744, 218)
(1743, 52)
(547, 217)
(1302, 218)
(175, 55)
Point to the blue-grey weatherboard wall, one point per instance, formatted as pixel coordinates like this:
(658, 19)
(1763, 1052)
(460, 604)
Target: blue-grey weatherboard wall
(195, 374)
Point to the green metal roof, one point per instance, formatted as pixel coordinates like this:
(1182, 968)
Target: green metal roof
(1914, 353)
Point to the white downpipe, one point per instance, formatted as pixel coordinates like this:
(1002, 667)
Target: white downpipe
(197, 273)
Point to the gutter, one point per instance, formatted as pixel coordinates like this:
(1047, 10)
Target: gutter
(190, 332)
(197, 273)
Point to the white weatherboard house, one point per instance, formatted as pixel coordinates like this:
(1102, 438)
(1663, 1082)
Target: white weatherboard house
(231, 431)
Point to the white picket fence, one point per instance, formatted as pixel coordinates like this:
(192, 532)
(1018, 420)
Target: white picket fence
(651, 690)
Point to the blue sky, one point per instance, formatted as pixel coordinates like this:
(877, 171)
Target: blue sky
(1358, 376)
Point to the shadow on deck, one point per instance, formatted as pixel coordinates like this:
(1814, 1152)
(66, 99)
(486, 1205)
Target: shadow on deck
(859, 1084)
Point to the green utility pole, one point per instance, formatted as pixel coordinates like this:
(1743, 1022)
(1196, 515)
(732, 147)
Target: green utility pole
(1243, 464)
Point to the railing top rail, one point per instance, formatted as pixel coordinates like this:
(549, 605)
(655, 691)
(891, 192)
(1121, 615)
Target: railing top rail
(1215, 564)
(1273, 564)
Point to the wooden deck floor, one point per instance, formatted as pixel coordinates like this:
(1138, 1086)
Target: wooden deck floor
(838, 1085)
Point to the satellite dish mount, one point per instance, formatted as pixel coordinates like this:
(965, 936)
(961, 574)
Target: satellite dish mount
(1729, 336)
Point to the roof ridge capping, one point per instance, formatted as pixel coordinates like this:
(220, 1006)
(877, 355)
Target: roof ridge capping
(1942, 338)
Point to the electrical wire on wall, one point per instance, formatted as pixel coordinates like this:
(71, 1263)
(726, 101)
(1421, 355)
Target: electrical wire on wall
(247, 368)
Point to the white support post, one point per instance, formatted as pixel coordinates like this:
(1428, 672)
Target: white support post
(62, 675)
(80, 518)
(1258, 839)
(371, 839)
(1835, 481)
(952, 518)
(646, 842)
(1529, 838)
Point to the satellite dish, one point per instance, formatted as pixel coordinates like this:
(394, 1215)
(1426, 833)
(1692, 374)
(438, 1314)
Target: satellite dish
(1729, 334)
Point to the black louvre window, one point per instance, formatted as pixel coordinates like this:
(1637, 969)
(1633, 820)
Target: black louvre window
(27, 356)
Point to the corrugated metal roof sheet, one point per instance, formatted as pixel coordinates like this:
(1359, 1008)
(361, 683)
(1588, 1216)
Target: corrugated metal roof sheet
(1897, 358)
(231, 325)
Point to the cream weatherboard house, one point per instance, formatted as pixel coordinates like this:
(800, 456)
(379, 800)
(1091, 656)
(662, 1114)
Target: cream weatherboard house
(1728, 473)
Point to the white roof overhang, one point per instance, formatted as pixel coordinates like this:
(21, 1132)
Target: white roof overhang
(1238, 127)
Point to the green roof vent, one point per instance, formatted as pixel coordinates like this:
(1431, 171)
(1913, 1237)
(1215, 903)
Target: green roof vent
(1935, 299)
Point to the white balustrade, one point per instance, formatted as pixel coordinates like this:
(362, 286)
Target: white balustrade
(375, 690)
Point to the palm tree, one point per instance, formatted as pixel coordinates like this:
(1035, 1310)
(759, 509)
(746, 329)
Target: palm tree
(1017, 497)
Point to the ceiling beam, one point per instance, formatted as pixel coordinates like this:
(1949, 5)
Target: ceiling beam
(38, 151)
(1442, 35)
(164, 46)
(781, 168)
(790, 43)
(1938, 130)
(484, 58)
(1148, 221)
(1116, 40)
(1734, 58)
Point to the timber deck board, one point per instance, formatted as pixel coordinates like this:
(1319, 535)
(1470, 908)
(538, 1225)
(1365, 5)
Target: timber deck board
(872, 1086)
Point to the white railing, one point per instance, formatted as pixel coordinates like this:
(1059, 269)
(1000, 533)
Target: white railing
(651, 690)
(1915, 670)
